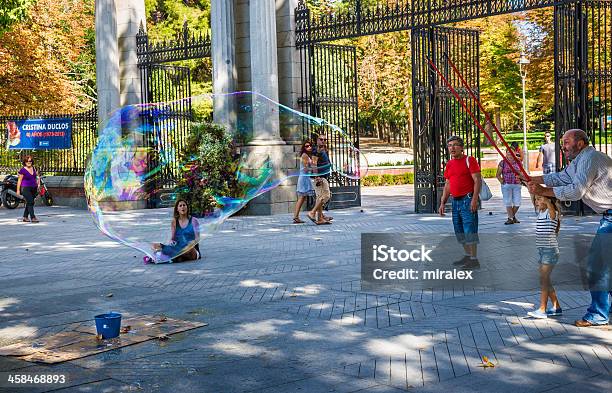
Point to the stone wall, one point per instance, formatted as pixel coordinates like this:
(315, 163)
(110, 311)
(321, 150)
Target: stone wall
(67, 191)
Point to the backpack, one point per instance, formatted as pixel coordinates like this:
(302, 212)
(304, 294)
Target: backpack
(485, 191)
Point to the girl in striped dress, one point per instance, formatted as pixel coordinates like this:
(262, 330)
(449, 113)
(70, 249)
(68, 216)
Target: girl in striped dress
(547, 231)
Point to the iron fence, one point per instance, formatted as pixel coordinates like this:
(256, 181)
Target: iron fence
(186, 46)
(366, 18)
(168, 86)
(70, 162)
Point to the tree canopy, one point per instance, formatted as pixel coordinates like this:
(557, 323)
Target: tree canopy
(13, 11)
(47, 58)
(48, 61)
(384, 66)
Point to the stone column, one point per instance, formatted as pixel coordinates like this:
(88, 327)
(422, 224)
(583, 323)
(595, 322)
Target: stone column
(223, 60)
(107, 58)
(130, 13)
(257, 41)
(264, 68)
(289, 88)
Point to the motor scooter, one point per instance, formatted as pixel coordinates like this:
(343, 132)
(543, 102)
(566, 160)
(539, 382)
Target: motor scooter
(10, 199)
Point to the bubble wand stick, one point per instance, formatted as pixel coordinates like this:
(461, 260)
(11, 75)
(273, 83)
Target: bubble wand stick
(478, 124)
(487, 119)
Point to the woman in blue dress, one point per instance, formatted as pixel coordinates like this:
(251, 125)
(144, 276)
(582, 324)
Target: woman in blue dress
(185, 238)
(304, 183)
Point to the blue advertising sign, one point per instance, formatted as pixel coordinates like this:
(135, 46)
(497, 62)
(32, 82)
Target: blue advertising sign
(39, 134)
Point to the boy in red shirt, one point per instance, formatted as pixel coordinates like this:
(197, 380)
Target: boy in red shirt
(463, 181)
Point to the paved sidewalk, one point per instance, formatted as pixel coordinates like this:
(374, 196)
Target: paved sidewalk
(286, 312)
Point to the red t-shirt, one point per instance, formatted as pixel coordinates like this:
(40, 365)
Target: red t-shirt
(459, 176)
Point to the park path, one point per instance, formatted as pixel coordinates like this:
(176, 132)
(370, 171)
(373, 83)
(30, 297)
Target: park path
(286, 311)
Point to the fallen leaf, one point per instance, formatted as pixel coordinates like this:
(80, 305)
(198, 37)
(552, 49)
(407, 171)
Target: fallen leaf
(486, 363)
(126, 329)
(98, 337)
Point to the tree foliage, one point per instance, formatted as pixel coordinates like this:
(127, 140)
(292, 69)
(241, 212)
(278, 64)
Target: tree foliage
(385, 67)
(540, 82)
(13, 11)
(165, 19)
(47, 63)
(384, 72)
(500, 79)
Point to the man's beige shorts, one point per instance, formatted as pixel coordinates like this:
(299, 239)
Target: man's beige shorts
(322, 190)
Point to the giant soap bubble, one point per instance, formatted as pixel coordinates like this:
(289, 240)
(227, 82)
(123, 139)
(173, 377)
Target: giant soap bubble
(149, 156)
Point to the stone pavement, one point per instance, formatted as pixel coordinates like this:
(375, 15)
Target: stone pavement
(286, 312)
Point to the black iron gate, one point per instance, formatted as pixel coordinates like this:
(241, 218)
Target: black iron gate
(169, 86)
(329, 91)
(436, 113)
(582, 67)
(583, 76)
(169, 121)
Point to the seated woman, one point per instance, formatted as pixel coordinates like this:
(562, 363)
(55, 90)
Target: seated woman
(185, 238)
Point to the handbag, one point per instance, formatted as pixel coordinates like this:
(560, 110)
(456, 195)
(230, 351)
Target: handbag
(485, 192)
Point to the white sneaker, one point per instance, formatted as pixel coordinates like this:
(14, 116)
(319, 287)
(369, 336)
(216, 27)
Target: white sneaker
(537, 314)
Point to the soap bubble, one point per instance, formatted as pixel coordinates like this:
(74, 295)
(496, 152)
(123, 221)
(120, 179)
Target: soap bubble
(150, 156)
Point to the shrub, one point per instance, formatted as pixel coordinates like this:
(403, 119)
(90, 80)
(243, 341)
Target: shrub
(406, 178)
(488, 172)
(371, 180)
(387, 180)
(210, 167)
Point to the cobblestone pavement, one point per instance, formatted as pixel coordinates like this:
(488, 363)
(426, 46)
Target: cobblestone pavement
(286, 312)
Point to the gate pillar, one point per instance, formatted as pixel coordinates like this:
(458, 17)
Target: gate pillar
(107, 58)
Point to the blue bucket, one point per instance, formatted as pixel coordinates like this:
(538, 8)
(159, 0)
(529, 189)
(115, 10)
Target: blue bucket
(108, 325)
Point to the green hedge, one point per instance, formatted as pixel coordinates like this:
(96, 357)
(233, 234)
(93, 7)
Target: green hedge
(388, 180)
(406, 178)
(488, 172)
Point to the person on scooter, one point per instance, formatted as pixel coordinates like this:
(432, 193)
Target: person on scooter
(28, 183)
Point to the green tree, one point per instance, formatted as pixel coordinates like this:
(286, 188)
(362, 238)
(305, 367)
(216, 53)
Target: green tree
(385, 82)
(165, 19)
(500, 79)
(13, 11)
(540, 83)
(47, 63)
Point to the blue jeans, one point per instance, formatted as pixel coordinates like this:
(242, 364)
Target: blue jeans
(598, 270)
(548, 255)
(465, 223)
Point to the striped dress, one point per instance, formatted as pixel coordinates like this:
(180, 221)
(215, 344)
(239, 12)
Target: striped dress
(546, 231)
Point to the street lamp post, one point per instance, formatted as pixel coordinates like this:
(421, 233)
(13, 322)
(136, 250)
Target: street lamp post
(523, 61)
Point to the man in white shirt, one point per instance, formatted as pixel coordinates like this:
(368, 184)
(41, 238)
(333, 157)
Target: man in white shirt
(588, 177)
